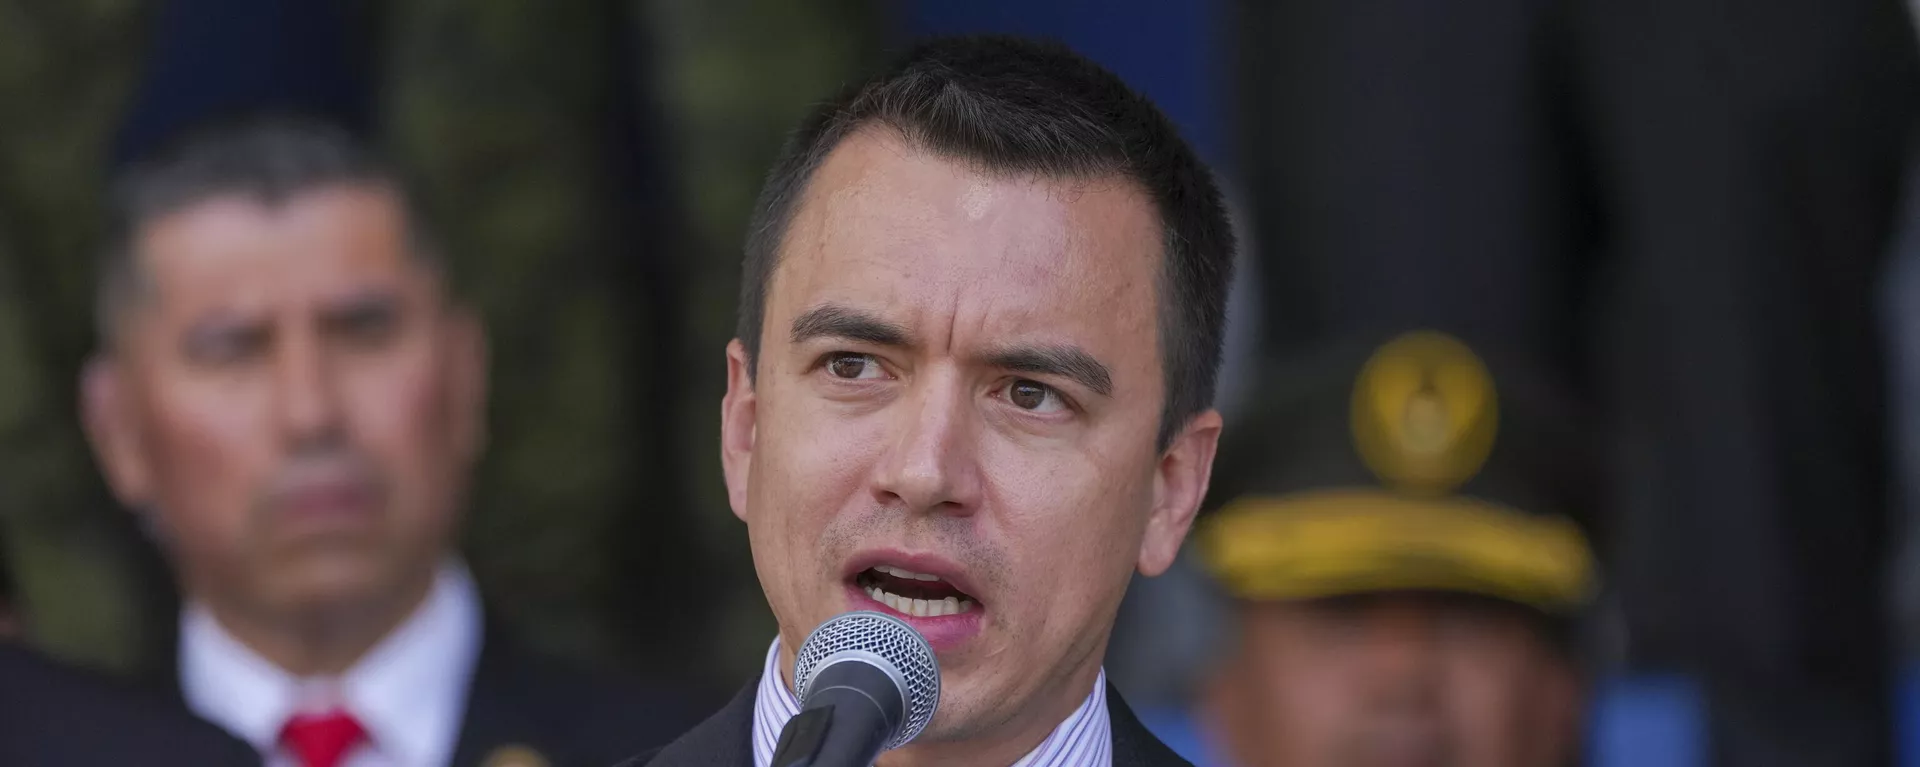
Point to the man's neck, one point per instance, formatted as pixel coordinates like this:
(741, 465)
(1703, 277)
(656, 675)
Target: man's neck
(325, 641)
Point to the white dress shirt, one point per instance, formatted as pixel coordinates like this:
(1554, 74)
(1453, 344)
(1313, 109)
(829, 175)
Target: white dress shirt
(409, 692)
(1084, 739)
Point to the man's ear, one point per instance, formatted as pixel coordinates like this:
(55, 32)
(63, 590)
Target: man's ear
(468, 360)
(113, 431)
(1179, 487)
(738, 414)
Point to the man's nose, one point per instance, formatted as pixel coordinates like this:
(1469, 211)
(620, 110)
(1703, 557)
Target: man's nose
(931, 462)
(1402, 655)
(307, 397)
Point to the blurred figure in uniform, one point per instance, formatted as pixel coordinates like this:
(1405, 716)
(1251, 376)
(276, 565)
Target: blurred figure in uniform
(1399, 531)
(1680, 209)
(291, 399)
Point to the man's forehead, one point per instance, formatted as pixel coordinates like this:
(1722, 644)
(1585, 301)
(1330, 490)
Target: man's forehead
(232, 243)
(921, 239)
(877, 176)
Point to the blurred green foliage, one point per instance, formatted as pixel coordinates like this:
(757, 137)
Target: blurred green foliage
(597, 522)
(64, 69)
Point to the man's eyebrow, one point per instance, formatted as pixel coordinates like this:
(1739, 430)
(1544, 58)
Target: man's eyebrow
(835, 321)
(363, 302)
(222, 323)
(1066, 361)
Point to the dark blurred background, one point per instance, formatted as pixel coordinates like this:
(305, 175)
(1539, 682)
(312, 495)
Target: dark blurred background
(1692, 215)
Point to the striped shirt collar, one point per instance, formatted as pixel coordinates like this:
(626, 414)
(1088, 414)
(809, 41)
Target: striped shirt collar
(1085, 739)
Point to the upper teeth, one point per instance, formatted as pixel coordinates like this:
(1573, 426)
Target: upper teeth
(923, 608)
(899, 573)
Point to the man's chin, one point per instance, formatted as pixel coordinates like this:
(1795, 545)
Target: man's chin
(336, 584)
(955, 722)
(971, 706)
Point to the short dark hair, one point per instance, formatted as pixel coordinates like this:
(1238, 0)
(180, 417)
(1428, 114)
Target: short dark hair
(270, 159)
(1020, 106)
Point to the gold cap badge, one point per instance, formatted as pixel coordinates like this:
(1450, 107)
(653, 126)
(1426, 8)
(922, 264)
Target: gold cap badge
(1424, 413)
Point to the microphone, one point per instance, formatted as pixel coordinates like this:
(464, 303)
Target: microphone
(868, 683)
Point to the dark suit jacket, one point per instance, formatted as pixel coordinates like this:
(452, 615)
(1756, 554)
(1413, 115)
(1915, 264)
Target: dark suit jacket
(54, 714)
(725, 739)
(521, 700)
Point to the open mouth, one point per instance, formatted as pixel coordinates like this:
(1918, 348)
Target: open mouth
(916, 594)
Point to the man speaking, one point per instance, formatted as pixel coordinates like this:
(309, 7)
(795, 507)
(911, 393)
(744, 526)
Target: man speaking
(981, 314)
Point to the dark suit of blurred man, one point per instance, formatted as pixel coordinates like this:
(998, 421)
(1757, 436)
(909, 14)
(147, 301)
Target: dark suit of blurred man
(57, 715)
(52, 713)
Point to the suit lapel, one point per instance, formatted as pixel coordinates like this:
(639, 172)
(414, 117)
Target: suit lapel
(498, 730)
(723, 740)
(1133, 744)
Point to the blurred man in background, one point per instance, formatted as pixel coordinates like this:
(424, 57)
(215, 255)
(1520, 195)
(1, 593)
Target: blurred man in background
(292, 400)
(1397, 532)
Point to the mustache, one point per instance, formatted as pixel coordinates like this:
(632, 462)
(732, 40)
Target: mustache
(1388, 731)
(954, 537)
(333, 466)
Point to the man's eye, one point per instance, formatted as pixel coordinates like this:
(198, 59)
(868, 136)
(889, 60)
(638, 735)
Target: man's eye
(853, 366)
(364, 324)
(366, 328)
(1037, 397)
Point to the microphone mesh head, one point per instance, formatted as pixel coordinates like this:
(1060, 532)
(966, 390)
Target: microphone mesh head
(893, 641)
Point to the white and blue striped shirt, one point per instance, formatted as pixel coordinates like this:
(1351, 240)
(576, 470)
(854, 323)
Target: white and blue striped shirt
(1085, 739)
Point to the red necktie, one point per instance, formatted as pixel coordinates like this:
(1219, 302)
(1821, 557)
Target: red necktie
(321, 740)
